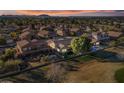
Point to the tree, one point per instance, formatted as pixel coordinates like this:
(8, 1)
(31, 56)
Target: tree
(80, 44)
(2, 41)
(56, 73)
(12, 65)
(1, 64)
(13, 35)
(120, 40)
(9, 52)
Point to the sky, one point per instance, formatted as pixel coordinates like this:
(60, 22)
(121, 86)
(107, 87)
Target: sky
(64, 12)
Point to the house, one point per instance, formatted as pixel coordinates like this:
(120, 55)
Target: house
(25, 47)
(76, 31)
(26, 29)
(43, 34)
(99, 37)
(25, 35)
(61, 32)
(47, 31)
(46, 34)
(61, 45)
(114, 34)
(29, 28)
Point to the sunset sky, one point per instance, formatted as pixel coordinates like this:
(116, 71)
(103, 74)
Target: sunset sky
(64, 12)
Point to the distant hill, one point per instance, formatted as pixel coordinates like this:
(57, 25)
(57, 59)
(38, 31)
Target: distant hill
(43, 15)
(100, 14)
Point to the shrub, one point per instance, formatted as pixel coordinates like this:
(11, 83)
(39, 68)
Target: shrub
(9, 52)
(12, 65)
(56, 73)
(1, 64)
(119, 75)
(3, 58)
(2, 41)
(44, 59)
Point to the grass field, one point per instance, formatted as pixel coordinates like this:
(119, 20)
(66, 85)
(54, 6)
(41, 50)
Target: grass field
(119, 75)
(94, 72)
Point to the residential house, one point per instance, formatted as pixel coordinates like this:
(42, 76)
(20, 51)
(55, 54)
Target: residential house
(41, 28)
(114, 34)
(25, 35)
(61, 32)
(61, 45)
(29, 28)
(46, 34)
(25, 47)
(47, 31)
(76, 31)
(43, 34)
(99, 37)
(26, 29)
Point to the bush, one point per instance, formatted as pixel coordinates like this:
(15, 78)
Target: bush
(119, 75)
(120, 40)
(1, 64)
(9, 52)
(2, 41)
(3, 58)
(44, 59)
(113, 43)
(56, 73)
(12, 65)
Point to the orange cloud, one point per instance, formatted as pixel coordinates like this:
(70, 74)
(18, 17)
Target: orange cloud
(57, 12)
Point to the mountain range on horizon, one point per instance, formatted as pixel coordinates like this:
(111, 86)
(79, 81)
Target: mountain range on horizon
(101, 14)
(64, 12)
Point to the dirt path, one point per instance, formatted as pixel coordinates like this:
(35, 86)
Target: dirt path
(94, 71)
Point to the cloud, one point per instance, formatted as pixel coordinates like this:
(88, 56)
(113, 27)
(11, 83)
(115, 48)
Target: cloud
(58, 12)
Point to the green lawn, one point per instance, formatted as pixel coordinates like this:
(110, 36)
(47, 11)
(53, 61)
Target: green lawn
(119, 75)
(85, 58)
